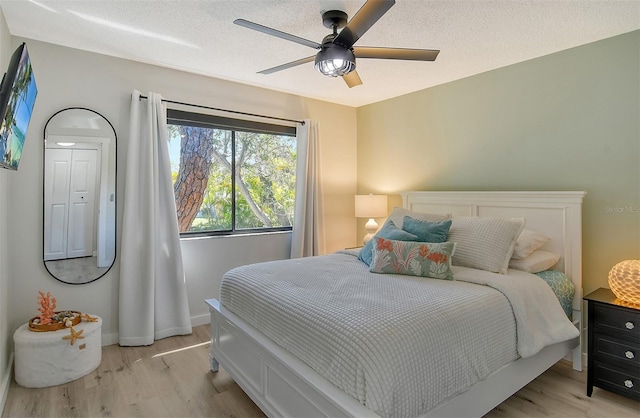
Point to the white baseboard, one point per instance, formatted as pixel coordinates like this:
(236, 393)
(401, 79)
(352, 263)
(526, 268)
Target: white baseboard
(110, 339)
(6, 382)
(200, 320)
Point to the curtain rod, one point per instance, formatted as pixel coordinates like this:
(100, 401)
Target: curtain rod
(226, 110)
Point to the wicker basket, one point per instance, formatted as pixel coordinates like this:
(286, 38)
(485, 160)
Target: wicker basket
(54, 326)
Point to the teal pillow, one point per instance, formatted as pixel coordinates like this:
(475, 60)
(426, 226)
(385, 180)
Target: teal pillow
(427, 231)
(426, 259)
(389, 231)
(562, 286)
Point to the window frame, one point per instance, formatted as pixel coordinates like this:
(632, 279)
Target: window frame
(202, 120)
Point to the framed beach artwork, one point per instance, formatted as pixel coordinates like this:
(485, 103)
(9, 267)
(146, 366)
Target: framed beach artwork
(17, 98)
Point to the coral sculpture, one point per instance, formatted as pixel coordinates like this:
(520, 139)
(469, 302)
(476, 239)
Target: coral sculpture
(49, 319)
(47, 308)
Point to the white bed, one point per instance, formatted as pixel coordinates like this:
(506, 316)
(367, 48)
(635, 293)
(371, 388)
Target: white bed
(281, 385)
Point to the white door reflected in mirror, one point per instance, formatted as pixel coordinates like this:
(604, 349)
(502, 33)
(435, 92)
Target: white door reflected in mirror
(79, 195)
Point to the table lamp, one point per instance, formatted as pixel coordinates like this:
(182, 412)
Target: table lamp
(624, 280)
(371, 206)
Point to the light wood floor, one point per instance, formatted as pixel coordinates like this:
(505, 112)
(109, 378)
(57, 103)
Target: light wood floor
(171, 378)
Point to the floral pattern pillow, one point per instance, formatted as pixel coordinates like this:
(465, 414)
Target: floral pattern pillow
(426, 259)
(562, 286)
(388, 231)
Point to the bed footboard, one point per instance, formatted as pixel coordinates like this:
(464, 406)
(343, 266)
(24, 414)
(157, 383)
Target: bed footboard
(280, 384)
(283, 386)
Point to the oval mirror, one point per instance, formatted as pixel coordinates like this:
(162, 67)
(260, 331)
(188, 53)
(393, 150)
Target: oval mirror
(79, 195)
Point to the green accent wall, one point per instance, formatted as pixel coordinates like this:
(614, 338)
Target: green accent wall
(565, 121)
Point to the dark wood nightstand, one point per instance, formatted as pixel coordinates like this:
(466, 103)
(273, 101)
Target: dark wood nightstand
(614, 344)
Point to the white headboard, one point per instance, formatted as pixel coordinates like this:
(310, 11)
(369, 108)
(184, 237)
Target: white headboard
(556, 214)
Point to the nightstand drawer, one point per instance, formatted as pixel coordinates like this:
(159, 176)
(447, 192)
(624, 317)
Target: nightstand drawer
(624, 323)
(626, 353)
(624, 382)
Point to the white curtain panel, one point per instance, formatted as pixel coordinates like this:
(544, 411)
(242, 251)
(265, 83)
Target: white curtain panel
(308, 219)
(153, 296)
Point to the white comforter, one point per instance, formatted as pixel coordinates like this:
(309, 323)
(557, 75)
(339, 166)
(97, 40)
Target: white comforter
(400, 345)
(535, 307)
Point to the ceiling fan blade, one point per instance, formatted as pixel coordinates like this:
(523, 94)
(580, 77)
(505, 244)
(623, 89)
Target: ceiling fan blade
(276, 33)
(352, 79)
(396, 53)
(366, 17)
(288, 65)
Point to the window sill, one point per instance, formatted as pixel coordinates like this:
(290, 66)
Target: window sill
(250, 234)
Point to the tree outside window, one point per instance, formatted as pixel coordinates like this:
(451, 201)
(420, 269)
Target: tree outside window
(231, 176)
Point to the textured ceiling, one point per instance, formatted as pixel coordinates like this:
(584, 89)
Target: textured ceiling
(198, 36)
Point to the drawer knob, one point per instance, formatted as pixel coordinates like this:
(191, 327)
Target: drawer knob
(628, 383)
(629, 325)
(629, 354)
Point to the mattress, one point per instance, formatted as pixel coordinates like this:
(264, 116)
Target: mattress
(400, 345)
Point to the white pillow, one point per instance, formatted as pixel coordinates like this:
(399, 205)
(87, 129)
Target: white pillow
(528, 242)
(538, 261)
(484, 243)
(397, 216)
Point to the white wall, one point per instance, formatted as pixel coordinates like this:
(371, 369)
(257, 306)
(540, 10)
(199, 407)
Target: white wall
(206, 259)
(68, 77)
(6, 177)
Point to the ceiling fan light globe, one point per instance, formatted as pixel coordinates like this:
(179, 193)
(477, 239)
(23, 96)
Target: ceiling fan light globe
(334, 61)
(334, 68)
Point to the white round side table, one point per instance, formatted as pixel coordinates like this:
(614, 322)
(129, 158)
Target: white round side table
(46, 359)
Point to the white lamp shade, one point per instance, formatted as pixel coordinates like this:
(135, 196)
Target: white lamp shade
(624, 280)
(371, 206)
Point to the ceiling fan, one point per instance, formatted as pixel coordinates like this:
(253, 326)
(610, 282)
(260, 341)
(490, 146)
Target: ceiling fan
(337, 55)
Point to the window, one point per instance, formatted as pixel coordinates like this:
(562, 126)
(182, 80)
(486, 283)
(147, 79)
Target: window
(205, 150)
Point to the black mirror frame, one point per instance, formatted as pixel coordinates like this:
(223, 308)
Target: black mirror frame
(115, 201)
